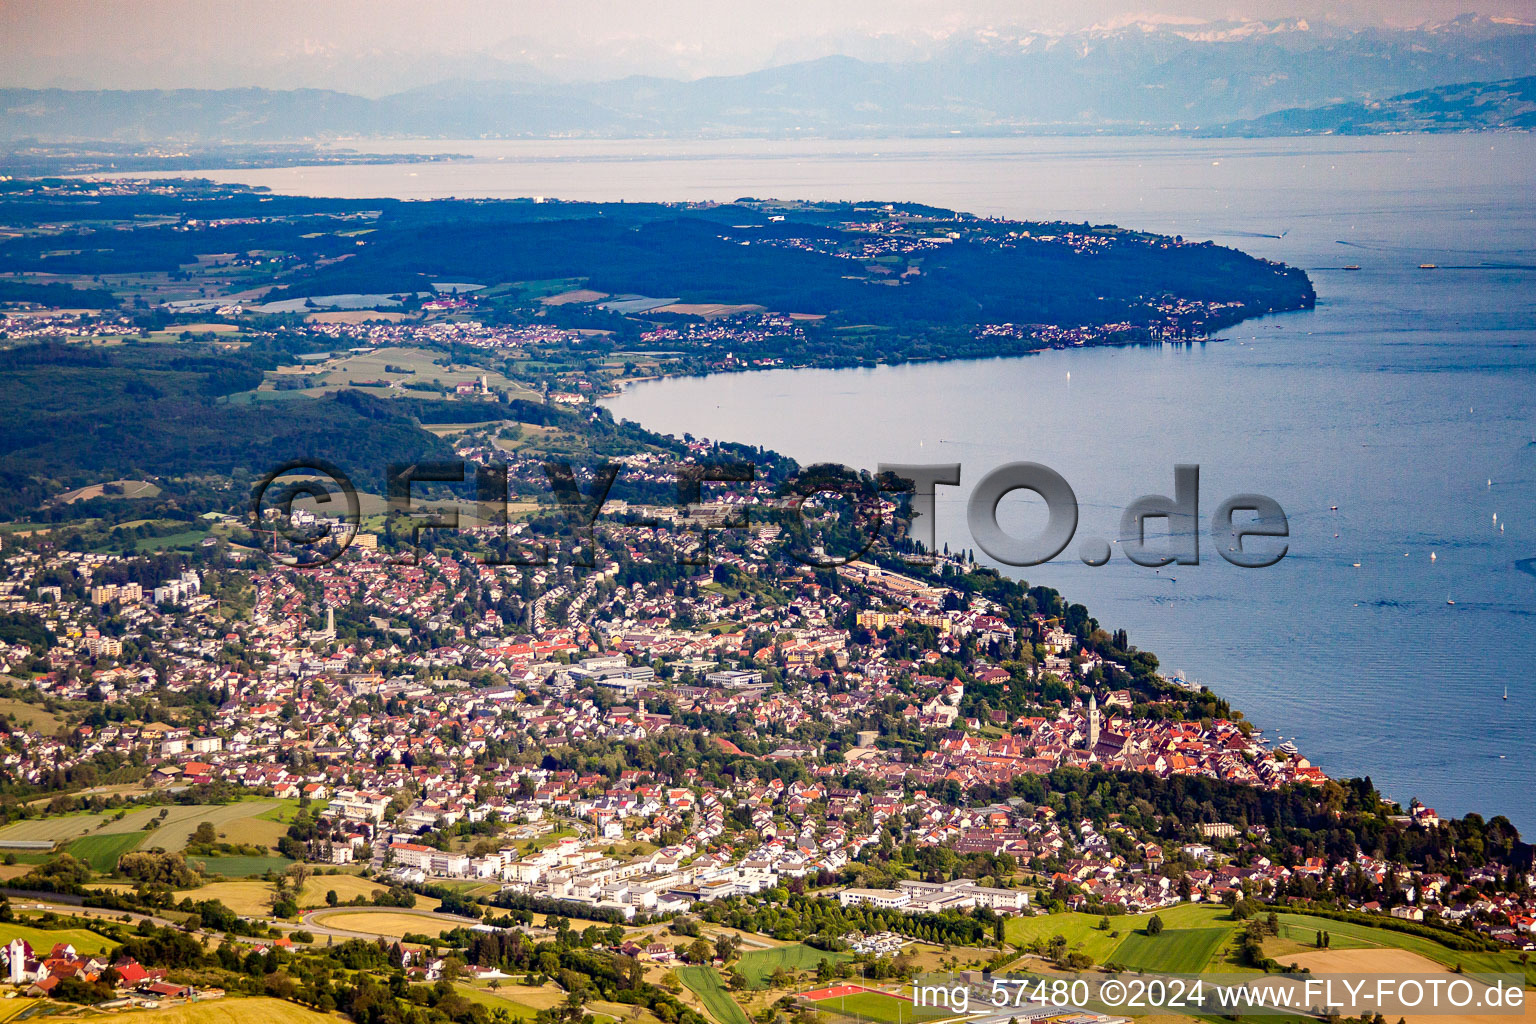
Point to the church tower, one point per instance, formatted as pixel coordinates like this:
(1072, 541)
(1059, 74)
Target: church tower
(1093, 721)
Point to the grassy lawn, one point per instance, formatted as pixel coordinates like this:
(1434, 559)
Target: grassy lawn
(101, 851)
(1080, 930)
(705, 983)
(1293, 938)
(46, 938)
(1174, 951)
(242, 867)
(495, 1001)
(30, 715)
(758, 965)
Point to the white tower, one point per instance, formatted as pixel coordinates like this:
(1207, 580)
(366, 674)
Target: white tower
(1093, 721)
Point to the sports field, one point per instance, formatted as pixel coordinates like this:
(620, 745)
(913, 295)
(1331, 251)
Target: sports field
(856, 1002)
(705, 983)
(758, 965)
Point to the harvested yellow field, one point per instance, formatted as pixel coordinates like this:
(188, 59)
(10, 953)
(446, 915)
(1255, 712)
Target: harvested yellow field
(390, 924)
(252, 831)
(1379, 960)
(353, 316)
(248, 896)
(252, 896)
(234, 1011)
(575, 295)
(346, 887)
(540, 997)
(214, 328)
(707, 310)
(1400, 962)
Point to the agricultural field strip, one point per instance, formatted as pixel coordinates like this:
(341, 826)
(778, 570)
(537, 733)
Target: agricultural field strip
(172, 833)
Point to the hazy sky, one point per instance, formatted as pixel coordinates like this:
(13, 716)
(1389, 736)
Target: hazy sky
(376, 46)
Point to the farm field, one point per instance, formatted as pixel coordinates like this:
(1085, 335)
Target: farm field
(1174, 951)
(396, 924)
(124, 488)
(46, 938)
(170, 833)
(1297, 932)
(256, 1010)
(251, 896)
(522, 1002)
(241, 867)
(101, 851)
(1401, 962)
(420, 364)
(248, 896)
(346, 887)
(758, 965)
(705, 983)
(1347, 933)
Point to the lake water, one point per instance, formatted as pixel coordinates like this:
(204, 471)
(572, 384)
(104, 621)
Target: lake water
(1398, 399)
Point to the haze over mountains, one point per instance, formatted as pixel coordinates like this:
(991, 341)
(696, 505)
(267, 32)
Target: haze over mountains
(1250, 77)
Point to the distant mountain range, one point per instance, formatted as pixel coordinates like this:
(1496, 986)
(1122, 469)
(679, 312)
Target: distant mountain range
(1469, 106)
(1245, 77)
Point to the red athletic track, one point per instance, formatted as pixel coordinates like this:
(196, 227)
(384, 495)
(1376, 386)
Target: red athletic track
(816, 995)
